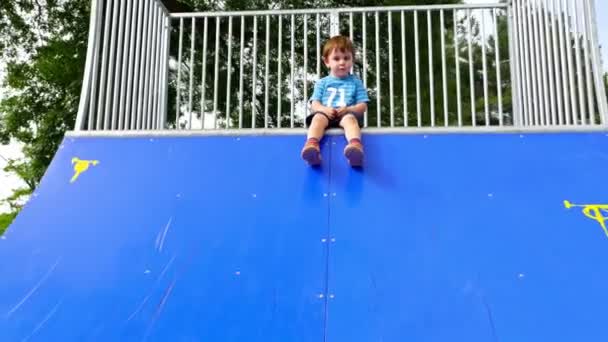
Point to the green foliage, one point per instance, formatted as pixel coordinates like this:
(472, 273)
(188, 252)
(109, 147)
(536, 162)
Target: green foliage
(5, 221)
(43, 48)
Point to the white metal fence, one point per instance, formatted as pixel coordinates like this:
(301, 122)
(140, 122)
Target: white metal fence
(523, 64)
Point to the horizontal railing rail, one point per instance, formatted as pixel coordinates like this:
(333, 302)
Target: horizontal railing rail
(528, 63)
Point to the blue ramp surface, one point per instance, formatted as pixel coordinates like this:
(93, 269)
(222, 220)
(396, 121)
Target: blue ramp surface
(170, 239)
(489, 237)
(466, 238)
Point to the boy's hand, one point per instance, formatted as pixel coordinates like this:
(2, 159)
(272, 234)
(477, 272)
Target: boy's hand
(340, 112)
(330, 112)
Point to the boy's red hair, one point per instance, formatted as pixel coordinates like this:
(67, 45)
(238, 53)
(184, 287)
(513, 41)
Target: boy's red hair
(338, 42)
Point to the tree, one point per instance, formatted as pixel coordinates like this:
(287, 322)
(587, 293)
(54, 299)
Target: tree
(44, 51)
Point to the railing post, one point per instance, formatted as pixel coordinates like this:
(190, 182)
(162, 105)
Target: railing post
(165, 76)
(334, 23)
(513, 68)
(600, 90)
(85, 93)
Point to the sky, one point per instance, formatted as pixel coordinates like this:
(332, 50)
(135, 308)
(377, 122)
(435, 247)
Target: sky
(9, 182)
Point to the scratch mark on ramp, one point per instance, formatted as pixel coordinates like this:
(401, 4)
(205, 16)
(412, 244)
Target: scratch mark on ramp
(165, 269)
(161, 305)
(490, 317)
(160, 238)
(139, 308)
(145, 300)
(159, 309)
(43, 322)
(34, 289)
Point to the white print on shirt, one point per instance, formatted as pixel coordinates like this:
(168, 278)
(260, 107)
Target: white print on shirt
(332, 95)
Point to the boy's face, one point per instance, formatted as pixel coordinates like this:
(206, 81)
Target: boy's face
(339, 62)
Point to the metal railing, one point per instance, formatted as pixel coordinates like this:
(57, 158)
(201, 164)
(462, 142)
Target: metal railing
(125, 80)
(557, 63)
(529, 63)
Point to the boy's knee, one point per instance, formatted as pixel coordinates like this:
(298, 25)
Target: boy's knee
(320, 119)
(349, 119)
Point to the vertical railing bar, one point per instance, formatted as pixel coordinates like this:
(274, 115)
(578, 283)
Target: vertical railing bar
(484, 64)
(350, 22)
(318, 47)
(514, 61)
(535, 74)
(600, 90)
(550, 64)
(104, 66)
(134, 98)
(254, 75)
(579, 72)
(573, 103)
(204, 71)
(586, 55)
(417, 63)
(279, 83)
(229, 73)
(292, 63)
(390, 66)
(216, 70)
(147, 95)
(563, 61)
(150, 67)
(165, 68)
(241, 69)
(542, 42)
(363, 16)
(351, 35)
(305, 53)
(471, 75)
(95, 68)
(119, 80)
(179, 72)
(431, 72)
(126, 71)
(111, 58)
(556, 67)
(158, 68)
(267, 66)
(537, 77)
(526, 69)
(457, 64)
(153, 72)
(498, 75)
(83, 116)
(191, 78)
(403, 69)
(378, 88)
(144, 76)
(443, 69)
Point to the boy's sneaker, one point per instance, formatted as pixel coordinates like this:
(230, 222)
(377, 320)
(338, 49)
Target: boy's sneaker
(354, 153)
(311, 152)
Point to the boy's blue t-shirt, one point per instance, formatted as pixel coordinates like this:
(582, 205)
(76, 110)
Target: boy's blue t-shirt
(338, 92)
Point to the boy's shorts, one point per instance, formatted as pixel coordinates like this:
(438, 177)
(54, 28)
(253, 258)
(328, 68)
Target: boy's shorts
(333, 123)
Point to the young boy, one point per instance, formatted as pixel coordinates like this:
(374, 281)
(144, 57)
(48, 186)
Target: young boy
(338, 100)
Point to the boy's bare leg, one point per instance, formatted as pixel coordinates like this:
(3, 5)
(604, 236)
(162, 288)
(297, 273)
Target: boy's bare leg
(354, 148)
(317, 127)
(311, 151)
